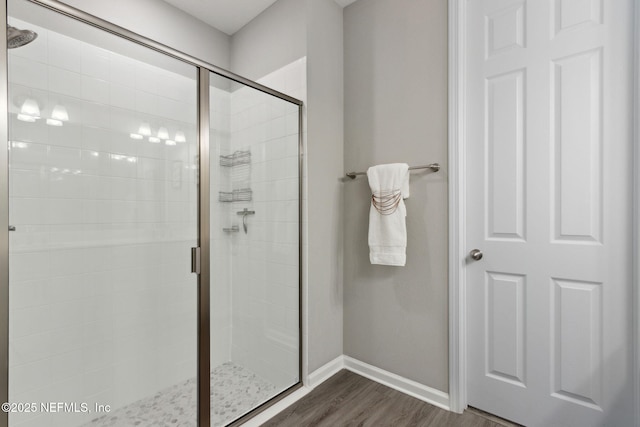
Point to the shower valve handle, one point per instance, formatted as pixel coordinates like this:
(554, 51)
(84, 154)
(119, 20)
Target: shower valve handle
(244, 214)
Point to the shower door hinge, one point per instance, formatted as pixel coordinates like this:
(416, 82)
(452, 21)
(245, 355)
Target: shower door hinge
(195, 260)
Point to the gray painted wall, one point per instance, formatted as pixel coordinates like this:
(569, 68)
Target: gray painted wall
(325, 117)
(396, 318)
(163, 23)
(276, 37)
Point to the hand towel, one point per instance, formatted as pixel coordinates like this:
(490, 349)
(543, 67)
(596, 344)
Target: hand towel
(387, 224)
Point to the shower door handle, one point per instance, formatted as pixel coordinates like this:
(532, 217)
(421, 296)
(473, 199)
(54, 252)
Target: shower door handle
(12, 228)
(195, 260)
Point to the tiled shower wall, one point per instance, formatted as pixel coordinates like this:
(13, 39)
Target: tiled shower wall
(102, 301)
(265, 306)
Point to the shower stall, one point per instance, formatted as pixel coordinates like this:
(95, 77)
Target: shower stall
(152, 234)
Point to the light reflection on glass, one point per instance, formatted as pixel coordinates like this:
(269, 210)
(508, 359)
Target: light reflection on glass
(180, 137)
(60, 113)
(163, 133)
(26, 118)
(145, 129)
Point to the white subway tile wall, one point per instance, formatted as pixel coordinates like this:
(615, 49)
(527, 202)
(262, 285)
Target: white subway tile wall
(102, 301)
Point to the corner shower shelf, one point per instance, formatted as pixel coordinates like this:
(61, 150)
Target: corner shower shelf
(240, 157)
(240, 195)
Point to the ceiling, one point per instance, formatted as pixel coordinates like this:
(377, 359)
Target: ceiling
(226, 15)
(229, 16)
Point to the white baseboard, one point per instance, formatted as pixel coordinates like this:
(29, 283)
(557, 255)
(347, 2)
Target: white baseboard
(404, 385)
(320, 375)
(325, 372)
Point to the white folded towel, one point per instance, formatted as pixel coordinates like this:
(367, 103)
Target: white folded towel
(387, 225)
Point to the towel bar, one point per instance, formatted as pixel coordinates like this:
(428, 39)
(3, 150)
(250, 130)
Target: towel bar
(433, 166)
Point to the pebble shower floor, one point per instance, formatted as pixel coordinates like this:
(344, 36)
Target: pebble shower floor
(234, 391)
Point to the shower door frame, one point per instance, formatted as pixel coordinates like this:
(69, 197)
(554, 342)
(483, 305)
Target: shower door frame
(204, 228)
(4, 219)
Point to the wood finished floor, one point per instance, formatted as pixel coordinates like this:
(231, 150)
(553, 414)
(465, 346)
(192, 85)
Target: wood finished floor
(347, 399)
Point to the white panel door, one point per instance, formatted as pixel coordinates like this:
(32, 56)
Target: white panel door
(548, 163)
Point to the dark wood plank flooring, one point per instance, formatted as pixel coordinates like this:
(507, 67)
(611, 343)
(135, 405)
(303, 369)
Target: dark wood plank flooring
(348, 399)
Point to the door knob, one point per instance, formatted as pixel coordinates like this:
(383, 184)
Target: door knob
(476, 254)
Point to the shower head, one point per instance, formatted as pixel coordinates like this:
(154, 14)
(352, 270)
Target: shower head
(17, 38)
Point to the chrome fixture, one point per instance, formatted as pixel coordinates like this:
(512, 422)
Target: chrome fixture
(435, 167)
(476, 254)
(17, 38)
(232, 229)
(244, 214)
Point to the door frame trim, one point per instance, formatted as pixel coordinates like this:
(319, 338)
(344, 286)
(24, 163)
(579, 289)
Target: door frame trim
(457, 209)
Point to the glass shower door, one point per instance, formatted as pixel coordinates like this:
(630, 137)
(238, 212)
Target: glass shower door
(103, 201)
(255, 246)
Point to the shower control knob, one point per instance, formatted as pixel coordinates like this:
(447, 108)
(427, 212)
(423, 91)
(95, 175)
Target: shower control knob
(476, 254)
